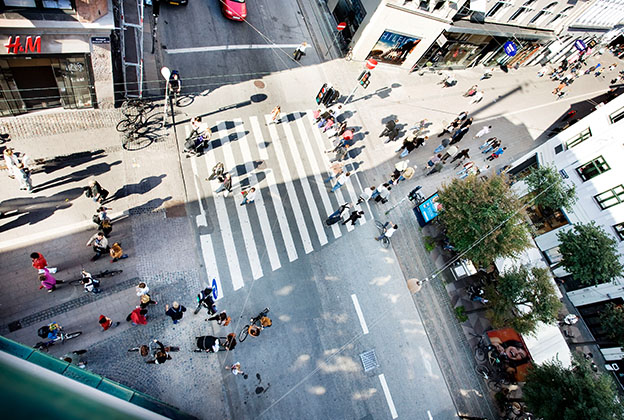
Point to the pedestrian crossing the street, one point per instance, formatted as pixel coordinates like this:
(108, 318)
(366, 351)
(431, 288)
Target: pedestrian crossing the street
(288, 166)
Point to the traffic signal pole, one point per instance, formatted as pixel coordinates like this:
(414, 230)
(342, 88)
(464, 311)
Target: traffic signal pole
(364, 78)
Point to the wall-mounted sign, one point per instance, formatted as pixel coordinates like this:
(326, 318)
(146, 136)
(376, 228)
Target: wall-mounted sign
(100, 40)
(30, 45)
(510, 48)
(580, 45)
(393, 48)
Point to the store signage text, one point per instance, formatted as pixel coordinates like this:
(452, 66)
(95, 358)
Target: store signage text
(32, 45)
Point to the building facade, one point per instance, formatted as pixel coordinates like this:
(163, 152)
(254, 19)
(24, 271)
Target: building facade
(55, 53)
(415, 34)
(590, 156)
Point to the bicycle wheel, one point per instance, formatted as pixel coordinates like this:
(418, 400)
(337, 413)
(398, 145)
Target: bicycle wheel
(243, 334)
(124, 125)
(69, 336)
(76, 282)
(480, 354)
(379, 225)
(133, 141)
(196, 311)
(264, 312)
(483, 371)
(495, 385)
(385, 242)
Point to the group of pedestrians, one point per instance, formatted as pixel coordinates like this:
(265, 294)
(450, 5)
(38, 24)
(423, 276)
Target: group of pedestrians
(18, 166)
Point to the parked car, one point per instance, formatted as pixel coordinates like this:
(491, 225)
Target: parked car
(234, 9)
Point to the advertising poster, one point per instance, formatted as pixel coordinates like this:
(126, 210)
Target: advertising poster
(393, 48)
(430, 208)
(513, 352)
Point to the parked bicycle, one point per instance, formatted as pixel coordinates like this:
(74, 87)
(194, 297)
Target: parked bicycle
(54, 332)
(138, 124)
(256, 325)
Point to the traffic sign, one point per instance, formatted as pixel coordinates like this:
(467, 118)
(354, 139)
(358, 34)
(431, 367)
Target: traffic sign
(371, 63)
(341, 26)
(215, 290)
(580, 45)
(510, 48)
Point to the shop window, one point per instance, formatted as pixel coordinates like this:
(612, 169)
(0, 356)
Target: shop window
(553, 255)
(619, 231)
(561, 14)
(593, 169)
(20, 3)
(580, 138)
(522, 10)
(543, 12)
(544, 220)
(617, 116)
(611, 197)
(57, 4)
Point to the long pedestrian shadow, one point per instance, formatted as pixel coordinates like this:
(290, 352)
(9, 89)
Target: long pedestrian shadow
(381, 93)
(36, 209)
(93, 170)
(143, 186)
(257, 98)
(72, 160)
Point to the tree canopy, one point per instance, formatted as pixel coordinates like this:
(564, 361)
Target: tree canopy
(521, 298)
(549, 189)
(589, 254)
(553, 392)
(612, 322)
(473, 210)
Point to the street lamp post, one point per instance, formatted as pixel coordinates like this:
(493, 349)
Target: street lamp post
(166, 73)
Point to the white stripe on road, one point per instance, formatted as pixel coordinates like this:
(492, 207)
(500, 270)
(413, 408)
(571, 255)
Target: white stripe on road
(265, 225)
(384, 386)
(317, 172)
(429, 415)
(275, 196)
(224, 224)
(210, 261)
(360, 315)
(307, 191)
(292, 194)
(230, 47)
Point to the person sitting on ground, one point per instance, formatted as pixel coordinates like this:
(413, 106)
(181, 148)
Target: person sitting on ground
(116, 252)
(100, 245)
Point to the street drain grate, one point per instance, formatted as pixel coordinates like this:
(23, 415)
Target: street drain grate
(369, 360)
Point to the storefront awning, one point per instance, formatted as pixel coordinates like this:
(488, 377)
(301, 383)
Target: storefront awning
(548, 345)
(495, 29)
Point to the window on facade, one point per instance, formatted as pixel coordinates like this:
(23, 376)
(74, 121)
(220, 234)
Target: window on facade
(619, 231)
(561, 14)
(617, 116)
(57, 4)
(439, 4)
(544, 11)
(592, 169)
(611, 197)
(20, 3)
(525, 8)
(500, 5)
(553, 255)
(580, 138)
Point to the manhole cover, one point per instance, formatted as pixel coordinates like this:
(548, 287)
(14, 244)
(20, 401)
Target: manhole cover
(369, 360)
(259, 84)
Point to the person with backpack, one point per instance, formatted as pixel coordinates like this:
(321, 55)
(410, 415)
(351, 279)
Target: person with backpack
(175, 311)
(221, 318)
(160, 355)
(204, 298)
(103, 221)
(90, 284)
(95, 191)
(106, 323)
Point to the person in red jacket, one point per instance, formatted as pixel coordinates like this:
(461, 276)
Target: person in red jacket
(39, 262)
(137, 317)
(106, 322)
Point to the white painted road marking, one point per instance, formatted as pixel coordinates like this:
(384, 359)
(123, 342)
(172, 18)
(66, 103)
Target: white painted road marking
(230, 47)
(358, 310)
(386, 391)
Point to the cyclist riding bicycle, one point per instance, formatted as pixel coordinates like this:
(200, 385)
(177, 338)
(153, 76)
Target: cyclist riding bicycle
(389, 229)
(54, 331)
(255, 330)
(205, 298)
(175, 85)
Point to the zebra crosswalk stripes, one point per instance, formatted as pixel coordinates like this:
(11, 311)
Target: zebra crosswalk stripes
(287, 165)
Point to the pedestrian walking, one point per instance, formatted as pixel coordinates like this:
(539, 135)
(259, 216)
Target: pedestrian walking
(420, 141)
(116, 252)
(90, 284)
(450, 128)
(339, 214)
(160, 356)
(236, 369)
(300, 50)
(75, 358)
(23, 175)
(497, 153)
(459, 135)
(336, 168)
(230, 342)
(341, 153)
(389, 229)
(175, 311)
(366, 195)
(353, 217)
(95, 191)
(207, 343)
(106, 323)
(462, 116)
(443, 145)
(275, 114)
(340, 181)
(488, 143)
(485, 130)
(477, 97)
(390, 126)
(383, 192)
(339, 130)
(102, 220)
(467, 123)
(146, 300)
(221, 318)
(138, 316)
(461, 155)
(436, 168)
(226, 184)
(248, 196)
(493, 146)
(11, 161)
(407, 146)
(47, 280)
(450, 152)
(433, 160)
(39, 262)
(141, 289)
(100, 245)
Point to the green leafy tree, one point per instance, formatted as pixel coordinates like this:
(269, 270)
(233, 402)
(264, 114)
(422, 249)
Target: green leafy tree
(483, 218)
(612, 322)
(521, 298)
(549, 190)
(589, 254)
(553, 392)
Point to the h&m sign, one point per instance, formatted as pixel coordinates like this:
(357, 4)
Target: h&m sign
(32, 44)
